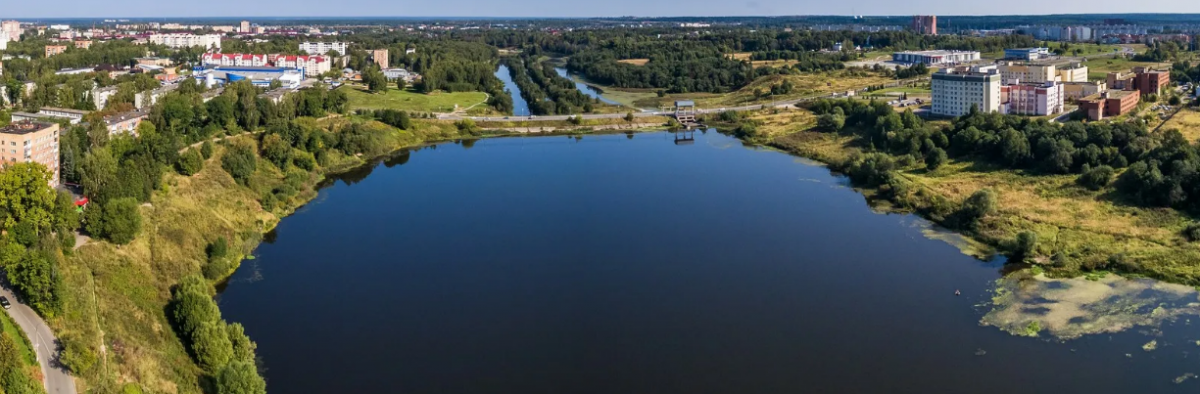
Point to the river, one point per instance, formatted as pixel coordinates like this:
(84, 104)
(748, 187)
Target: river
(631, 264)
(520, 106)
(585, 88)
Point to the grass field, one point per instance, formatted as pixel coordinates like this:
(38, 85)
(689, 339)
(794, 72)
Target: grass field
(1188, 123)
(1098, 69)
(925, 90)
(636, 62)
(25, 348)
(411, 101)
(1079, 224)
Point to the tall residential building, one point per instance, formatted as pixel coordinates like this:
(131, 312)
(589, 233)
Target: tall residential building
(925, 24)
(13, 28)
(1029, 98)
(321, 48)
(186, 40)
(956, 90)
(30, 141)
(1012, 72)
(3, 40)
(380, 57)
(245, 27)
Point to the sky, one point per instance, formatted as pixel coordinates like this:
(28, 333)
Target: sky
(570, 8)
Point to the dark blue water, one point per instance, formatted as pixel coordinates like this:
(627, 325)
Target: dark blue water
(520, 106)
(583, 87)
(634, 265)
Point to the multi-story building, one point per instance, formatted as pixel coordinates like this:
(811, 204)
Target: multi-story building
(312, 65)
(126, 122)
(1038, 99)
(321, 48)
(52, 50)
(956, 90)
(1078, 90)
(1027, 54)
(1120, 80)
(245, 27)
(73, 115)
(83, 44)
(925, 24)
(100, 96)
(235, 60)
(1148, 81)
(1012, 73)
(1074, 72)
(13, 29)
(380, 57)
(31, 142)
(935, 57)
(187, 40)
(1110, 103)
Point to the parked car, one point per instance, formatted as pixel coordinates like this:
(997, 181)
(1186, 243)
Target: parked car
(4, 303)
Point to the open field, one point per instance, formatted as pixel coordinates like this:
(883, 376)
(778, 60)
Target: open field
(411, 101)
(740, 55)
(636, 62)
(1188, 123)
(1098, 69)
(1080, 225)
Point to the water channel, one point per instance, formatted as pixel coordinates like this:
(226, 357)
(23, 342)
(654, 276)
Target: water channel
(631, 264)
(520, 106)
(587, 90)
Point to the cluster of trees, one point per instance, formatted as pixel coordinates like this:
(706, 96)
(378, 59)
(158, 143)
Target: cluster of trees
(14, 375)
(1160, 51)
(1183, 72)
(546, 92)
(679, 66)
(391, 117)
(37, 223)
(914, 71)
(222, 349)
(807, 61)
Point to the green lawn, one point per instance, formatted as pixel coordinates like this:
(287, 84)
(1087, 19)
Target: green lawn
(904, 89)
(1098, 69)
(409, 100)
(26, 349)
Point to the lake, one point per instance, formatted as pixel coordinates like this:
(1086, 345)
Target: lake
(631, 264)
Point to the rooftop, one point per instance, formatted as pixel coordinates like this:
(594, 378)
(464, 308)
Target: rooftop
(64, 110)
(936, 52)
(1111, 94)
(25, 127)
(124, 116)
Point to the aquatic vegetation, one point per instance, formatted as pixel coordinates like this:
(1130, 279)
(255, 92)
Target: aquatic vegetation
(1184, 377)
(1150, 346)
(1024, 304)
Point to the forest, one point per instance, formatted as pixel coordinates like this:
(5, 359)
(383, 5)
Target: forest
(546, 92)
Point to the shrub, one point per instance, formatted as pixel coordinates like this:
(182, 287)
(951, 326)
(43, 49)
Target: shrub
(210, 344)
(1096, 178)
(189, 163)
(240, 162)
(117, 221)
(1025, 245)
(935, 158)
(978, 205)
(1192, 232)
(77, 356)
(206, 150)
(240, 377)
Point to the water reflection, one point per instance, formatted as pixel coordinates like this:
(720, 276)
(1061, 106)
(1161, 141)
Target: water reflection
(588, 90)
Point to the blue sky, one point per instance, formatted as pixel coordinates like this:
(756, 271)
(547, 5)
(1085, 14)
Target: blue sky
(569, 8)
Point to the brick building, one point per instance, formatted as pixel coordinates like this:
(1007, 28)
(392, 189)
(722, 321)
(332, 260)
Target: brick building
(31, 141)
(925, 24)
(1110, 103)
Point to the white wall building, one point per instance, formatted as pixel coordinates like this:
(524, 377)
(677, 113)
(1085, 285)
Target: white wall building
(185, 40)
(100, 96)
(935, 57)
(321, 48)
(955, 90)
(1012, 73)
(312, 65)
(1038, 99)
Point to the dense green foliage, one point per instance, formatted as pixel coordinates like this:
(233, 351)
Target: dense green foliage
(546, 92)
(34, 217)
(215, 344)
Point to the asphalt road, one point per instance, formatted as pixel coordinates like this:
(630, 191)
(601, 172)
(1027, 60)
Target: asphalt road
(45, 344)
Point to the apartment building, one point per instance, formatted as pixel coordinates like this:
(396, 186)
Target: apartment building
(1078, 90)
(126, 123)
(83, 44)
(187, 40)
(925, 24)
(1013, 72)
(100, 96)
(52, 50)
(1037, 99)
(321, 48)
(935, 57)
(312, 65)
(1073, 72)
(380, 57)
(1108, 104)
(12, 29)
(3, 40)
(245, 27)
(1148, 81)
(956, 90)
(30, 141)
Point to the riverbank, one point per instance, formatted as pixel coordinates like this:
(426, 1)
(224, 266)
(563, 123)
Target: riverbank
(1078, 230)
(115, 297)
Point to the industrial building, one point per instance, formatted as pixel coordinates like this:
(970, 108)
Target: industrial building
(956, 90)
(31, 141)
(1108, 104)
(187, 40)
(1038, 99)
(935, 57)
(321, 48)
(1027, 54)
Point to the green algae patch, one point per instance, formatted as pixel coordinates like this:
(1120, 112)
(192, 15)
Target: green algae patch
(1029, 305)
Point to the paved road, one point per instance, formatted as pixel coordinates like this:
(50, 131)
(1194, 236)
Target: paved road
(44, 342)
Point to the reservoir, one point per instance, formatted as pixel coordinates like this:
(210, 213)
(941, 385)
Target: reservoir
(520, 106)
(630, 264)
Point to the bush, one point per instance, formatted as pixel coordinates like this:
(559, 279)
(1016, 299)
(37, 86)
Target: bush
(980, 204)
(77, 356)
(240, 377)
(206, 150)
(1192, 232)
(189, 163)
(117, 221)
(1025, 244)
(1174, 100)
(1096, 178)
(240, 162)
(935, 158)
(210, 344)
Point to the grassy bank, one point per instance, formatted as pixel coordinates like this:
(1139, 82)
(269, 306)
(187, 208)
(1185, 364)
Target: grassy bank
(117, 295)
(408, 100)
(1085, 229)
(24, 347)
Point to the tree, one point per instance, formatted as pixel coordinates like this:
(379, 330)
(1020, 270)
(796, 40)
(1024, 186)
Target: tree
(210, 344)
(935, 158)
(401, 84)
(1025, 245)
(374, 79)
(189, 163)
(240, 162)
(629, 117)
(77, 356)
(206, 150)
(1096, 178)
(65, 215)
(243, 347)
(240, 377)
(276, 150)
(1174, 100)
(831, 122)
(26, 196)
(99, 174)
(119, 221)
(978, 205)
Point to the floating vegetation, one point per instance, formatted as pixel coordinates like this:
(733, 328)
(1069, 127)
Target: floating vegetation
(1150, 346)
(1184, 377)
(1027, 305)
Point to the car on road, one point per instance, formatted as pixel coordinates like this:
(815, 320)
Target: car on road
(4, 303)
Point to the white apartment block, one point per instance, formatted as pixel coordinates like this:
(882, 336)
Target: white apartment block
(956, 90)
(1074, 72)
(935, 57)
(185, 40)
(312, 65)
(321, 48)
(1013, 73)
(1038, 99)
